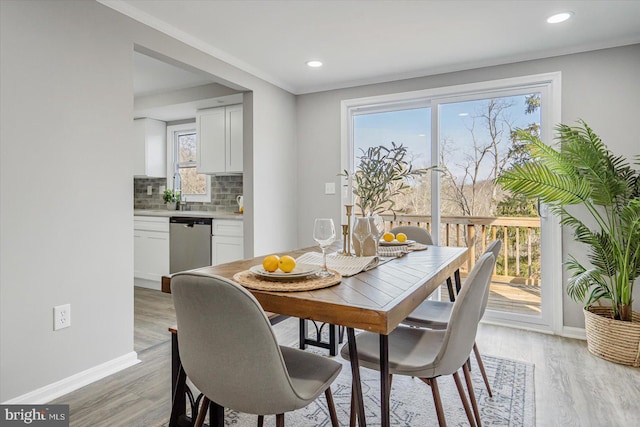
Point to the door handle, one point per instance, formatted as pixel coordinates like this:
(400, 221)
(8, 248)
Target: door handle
(188, 226)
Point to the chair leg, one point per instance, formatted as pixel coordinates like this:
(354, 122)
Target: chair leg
(482, 371)
(260, 420)
(436, 399)
(352, 409)
(203, 412)
(280, 420)
(332, 408)
(463, 398)
(472, 394)
(216, 415)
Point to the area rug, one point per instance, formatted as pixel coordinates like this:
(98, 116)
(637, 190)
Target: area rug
(412, 405)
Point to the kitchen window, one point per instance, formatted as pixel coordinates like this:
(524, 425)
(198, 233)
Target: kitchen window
(182, 176)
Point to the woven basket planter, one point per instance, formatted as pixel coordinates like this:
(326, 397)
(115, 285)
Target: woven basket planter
(613, 340)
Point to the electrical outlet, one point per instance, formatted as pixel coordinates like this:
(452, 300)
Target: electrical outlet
(162, 188)
(61, 316)
(149, 190)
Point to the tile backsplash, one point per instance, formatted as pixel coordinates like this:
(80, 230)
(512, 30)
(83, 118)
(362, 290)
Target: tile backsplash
(224, 190)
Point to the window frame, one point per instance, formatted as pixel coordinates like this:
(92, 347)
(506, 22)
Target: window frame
(173, 131)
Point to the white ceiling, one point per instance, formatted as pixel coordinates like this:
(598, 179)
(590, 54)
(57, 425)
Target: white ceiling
(369, 41)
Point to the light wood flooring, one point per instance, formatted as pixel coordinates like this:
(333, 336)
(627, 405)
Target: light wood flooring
(572, 387)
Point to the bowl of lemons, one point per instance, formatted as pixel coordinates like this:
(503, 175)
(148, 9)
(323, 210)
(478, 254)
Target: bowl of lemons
(390, 239)
(284, 267)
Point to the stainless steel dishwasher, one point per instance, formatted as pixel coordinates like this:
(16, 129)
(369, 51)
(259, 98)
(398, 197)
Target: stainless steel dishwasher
(190, 243)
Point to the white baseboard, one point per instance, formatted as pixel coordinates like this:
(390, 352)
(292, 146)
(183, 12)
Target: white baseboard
(572, 332)
(67, 385)
(146, 283)
(566, 331)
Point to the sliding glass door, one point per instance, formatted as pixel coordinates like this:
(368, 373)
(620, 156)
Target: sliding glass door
(477, 143)
(468, 134)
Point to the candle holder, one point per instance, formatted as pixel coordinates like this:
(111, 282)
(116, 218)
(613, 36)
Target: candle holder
(346, 233)
(345, 236)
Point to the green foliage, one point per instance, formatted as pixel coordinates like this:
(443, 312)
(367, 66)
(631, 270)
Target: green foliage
(584, 172)
(517, 205)
(170, 196)
(382, 174)
(532, 103)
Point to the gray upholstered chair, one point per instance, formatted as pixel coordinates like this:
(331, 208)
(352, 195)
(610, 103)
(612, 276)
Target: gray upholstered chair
(436, 314)
(230, 353)
(419, 234)
(429, 353)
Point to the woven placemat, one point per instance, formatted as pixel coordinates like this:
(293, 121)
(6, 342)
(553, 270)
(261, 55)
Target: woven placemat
(250, 280)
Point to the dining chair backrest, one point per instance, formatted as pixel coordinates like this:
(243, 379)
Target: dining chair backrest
(493, 248)
(465, 316)
(419, 234)
(227, 346)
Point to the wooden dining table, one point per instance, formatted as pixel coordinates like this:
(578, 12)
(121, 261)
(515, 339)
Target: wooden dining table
(376, 300)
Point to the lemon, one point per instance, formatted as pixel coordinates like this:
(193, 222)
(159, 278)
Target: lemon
(287, 264)
(270, 263)
(401, 237)
(388, 237)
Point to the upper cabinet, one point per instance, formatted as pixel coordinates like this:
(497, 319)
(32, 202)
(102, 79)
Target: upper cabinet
(150, 148)
(220, 140)
(234, 141)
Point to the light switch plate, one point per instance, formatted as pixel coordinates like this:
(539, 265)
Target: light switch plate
(329, 188)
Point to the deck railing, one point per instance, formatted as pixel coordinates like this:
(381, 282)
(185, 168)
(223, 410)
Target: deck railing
(519, 261)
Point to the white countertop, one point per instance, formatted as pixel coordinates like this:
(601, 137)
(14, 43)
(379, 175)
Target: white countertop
(195, 214)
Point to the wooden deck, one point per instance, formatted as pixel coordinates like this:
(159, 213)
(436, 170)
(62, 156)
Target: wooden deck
(512, 298)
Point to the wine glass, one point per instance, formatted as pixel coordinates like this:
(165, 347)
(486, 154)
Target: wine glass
(378, 225)
(324, 232)
(361, 231)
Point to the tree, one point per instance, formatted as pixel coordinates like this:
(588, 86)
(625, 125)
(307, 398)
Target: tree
(515, 204)
(472, 190)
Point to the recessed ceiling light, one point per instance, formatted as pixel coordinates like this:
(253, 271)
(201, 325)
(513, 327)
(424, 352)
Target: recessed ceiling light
(559, 17)
(314, 63)
(463, 114)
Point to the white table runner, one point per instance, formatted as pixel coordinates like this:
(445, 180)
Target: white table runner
(345, 265)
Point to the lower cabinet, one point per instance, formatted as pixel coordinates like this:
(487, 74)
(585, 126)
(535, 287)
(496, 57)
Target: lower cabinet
(227, 241)
(150, 247)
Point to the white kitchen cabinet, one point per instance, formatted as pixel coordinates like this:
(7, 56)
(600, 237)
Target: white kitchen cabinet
(227, 241)
(150, 148)
(150, 247)
(233, 138)
(219, 140)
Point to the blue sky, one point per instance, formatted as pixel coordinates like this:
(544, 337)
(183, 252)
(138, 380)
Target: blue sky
(413, 128)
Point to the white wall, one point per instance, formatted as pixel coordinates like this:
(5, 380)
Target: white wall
(600, 87)
(66, 205)
(65, 199)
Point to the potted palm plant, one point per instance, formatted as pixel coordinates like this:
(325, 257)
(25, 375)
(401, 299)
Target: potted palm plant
(585, 172)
